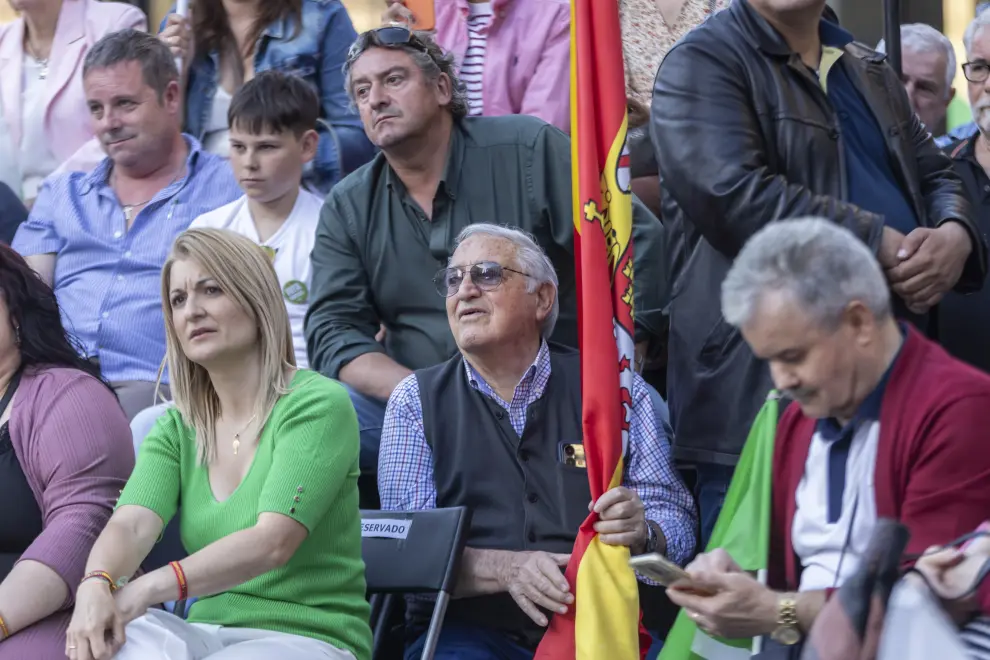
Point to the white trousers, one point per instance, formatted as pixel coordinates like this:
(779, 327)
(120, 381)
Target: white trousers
(159, 635)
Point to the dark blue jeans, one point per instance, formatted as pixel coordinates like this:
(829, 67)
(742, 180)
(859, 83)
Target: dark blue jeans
(371, 417)
(463, 642)
(709, 491)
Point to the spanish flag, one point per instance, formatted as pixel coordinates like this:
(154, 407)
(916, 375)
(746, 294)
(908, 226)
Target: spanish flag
(604, 620)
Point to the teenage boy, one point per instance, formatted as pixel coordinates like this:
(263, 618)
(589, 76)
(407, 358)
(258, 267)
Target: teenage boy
(272, 121)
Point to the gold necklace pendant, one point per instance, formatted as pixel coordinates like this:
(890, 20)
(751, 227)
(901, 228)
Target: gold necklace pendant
(236, 444)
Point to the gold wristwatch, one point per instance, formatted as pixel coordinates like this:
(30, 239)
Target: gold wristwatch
(787, 632)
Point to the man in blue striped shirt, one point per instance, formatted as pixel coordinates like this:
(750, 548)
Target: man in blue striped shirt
(100, 238)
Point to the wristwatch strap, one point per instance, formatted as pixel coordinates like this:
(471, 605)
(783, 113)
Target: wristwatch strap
(651, 537)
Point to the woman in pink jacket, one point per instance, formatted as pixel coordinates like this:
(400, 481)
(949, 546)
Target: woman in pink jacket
(46, 119)
(513, 55)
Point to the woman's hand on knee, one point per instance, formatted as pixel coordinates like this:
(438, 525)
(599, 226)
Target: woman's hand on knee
(96, 631)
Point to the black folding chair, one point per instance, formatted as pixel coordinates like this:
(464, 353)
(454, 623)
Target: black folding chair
(410, 552)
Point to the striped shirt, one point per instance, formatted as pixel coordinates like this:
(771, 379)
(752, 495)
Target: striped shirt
(108, 278)
(473, 66)
(405, 463)
(976, 637)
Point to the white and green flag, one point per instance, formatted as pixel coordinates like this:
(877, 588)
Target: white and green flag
(742, 530)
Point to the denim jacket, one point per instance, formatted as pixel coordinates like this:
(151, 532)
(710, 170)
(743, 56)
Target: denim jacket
(317, 54)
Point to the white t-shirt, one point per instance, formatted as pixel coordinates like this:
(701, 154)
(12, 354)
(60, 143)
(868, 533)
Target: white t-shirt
(292, 243)
(216, 133)
(820, 544)
(473, 66)
(37, 159)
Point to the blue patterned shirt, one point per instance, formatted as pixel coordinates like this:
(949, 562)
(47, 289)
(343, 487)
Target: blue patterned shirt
(957, 133)
(405, 463)
(108, 279)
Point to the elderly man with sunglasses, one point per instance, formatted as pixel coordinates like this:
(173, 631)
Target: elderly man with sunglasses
(497, 428)
(387, 227)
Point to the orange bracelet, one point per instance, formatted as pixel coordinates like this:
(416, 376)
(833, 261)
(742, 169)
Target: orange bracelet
(180, 577)
(103, 575)
(3, 629)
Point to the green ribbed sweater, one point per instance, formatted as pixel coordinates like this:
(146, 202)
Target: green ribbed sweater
(307, 450)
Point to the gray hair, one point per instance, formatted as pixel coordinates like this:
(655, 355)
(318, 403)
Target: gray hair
(921, 37)
(981, 21)
(530, 258)
(821, 264)
(157, 63)
(428, 56)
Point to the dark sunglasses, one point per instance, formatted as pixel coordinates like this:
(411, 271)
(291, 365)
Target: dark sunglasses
(486, 275)
(387, 35)
(393, 35)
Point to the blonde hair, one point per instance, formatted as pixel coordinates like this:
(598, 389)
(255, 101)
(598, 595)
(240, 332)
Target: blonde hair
(244, 272)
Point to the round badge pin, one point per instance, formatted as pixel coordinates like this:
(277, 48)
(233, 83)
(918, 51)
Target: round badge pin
(295, 292)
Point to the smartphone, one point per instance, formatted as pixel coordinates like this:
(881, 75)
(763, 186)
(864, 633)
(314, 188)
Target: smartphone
(658, 568)
(424, 14)
(663, 571)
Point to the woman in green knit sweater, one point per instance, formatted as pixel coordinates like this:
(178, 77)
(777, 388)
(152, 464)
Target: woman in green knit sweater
(264, 461)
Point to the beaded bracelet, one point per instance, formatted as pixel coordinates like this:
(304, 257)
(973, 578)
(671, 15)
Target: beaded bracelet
(4, 629)
(103, 575)
(180, 577)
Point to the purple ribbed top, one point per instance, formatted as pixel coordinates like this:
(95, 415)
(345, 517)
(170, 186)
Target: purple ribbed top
(74, 444)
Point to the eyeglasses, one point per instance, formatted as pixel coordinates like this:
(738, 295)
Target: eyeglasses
(485, 275)
(976, 72)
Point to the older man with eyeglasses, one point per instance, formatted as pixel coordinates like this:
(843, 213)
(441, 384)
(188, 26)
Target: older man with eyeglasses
(963, 320)
(498, 428)
(387, 227)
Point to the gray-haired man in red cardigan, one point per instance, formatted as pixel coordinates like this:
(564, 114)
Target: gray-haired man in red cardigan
(884, 424)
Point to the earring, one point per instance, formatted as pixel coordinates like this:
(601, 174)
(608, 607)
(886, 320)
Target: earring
(17, 334)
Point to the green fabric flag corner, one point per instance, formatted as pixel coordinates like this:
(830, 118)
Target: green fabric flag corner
(742, 530)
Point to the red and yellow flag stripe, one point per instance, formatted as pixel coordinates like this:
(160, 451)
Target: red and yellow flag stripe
(604, 622)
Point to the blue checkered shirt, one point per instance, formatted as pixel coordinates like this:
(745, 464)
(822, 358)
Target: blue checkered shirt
(108, 278)
(405, 462)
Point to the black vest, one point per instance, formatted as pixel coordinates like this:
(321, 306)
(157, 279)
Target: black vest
(520, 493)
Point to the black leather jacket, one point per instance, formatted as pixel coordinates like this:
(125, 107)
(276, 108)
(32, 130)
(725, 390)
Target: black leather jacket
(745, 135)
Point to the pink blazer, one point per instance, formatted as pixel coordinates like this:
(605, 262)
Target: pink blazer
(527, 56)
(81, 24)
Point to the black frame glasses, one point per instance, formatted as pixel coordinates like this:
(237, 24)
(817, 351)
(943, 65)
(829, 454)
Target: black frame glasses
(977, 71)
(486, 275)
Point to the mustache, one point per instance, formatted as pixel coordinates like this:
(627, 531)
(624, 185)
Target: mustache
(799, 394)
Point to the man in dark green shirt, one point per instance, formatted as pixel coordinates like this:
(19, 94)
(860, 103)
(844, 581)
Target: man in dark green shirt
(386, 229)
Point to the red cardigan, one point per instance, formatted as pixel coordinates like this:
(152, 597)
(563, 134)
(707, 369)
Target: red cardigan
(933, 455)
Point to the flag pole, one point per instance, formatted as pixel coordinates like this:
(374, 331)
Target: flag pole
(892, 32)
(182, 9)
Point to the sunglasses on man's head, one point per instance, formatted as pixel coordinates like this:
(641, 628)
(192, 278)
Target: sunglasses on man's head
(485, 275)
(387, 35)
(393, 35)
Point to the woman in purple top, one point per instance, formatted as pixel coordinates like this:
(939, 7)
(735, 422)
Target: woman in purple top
(65, 453)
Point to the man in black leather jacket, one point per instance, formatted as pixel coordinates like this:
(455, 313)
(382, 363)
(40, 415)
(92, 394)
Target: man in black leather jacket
(767, 112)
